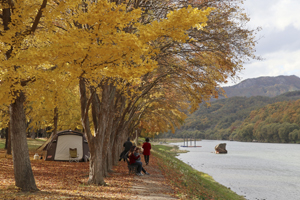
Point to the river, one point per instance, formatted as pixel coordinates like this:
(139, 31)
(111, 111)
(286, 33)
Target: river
(257, 171)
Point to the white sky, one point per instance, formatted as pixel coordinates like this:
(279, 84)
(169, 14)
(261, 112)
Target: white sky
(280, 38)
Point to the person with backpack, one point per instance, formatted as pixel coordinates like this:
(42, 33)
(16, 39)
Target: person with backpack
(127, 145)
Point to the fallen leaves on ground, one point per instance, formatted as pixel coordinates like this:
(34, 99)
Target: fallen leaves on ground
(64, 180)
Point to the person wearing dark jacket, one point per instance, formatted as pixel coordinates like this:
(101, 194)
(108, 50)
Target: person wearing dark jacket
(134, 160)
(127, 145)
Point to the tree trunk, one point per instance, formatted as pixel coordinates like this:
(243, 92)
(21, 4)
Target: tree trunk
(116, 133)
(24, 178)
(95, 108)
(96, 162)
(32, 133)
(95, 142)
(123, 138)
(105, 165)
(109, 161)
(2, 133)
(6, 139)
(106, 120)
(8, 150)
(115, 153)
(44, 133)
(55, 120)
(111, 151)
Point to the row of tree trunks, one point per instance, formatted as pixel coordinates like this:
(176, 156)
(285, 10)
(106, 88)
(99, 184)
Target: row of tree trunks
(103, 113)
(109, 119)
(109, 127)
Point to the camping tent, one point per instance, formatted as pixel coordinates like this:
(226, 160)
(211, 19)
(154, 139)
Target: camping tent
(58, 148)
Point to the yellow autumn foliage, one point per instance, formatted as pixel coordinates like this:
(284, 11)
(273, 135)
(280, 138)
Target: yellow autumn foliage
(93, 39)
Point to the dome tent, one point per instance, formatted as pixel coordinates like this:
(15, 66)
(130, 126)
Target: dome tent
(58, 148)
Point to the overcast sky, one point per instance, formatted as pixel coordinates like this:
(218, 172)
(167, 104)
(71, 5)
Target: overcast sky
(280, 38)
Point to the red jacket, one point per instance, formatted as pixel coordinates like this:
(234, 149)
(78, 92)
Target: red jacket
(133, 158)
(146, 146)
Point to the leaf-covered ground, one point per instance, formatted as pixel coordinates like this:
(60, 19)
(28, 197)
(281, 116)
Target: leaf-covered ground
(169, 179)
(64, 180)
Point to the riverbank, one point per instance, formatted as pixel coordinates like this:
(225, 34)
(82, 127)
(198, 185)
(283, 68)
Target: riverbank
(169, 179)
(188, 182)
(251, 169)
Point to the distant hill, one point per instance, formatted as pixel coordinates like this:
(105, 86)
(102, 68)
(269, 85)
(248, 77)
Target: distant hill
(277, 122)
(264, 86)
(224, 117)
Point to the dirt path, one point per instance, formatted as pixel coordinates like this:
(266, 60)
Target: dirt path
(153, 186)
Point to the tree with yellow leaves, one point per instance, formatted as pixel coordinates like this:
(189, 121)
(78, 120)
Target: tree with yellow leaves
(53, 105)
(115, 56)
(195, 72)
(87, 40)
(199, 65)
(19, 22)
(194, 68)
(125, 55)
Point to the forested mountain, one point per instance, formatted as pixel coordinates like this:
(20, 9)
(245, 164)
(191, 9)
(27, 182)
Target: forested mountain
(264, 86)
(278, 122)
(224, 119)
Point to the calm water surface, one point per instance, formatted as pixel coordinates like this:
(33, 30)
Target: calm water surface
(255, 170)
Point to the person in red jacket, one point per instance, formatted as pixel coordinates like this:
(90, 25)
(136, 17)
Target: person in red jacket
(134, 160)
(146, 146)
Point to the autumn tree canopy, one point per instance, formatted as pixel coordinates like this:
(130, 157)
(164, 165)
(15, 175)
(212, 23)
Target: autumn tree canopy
(90, 41)
(196, 67)
(128, 64)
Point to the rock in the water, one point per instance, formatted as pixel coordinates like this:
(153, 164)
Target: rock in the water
(221, 148)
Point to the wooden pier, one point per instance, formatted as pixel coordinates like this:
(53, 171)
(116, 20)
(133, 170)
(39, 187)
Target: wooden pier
(187, 143)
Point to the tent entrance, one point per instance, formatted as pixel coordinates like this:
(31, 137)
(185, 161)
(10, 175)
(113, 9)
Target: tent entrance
(64, 143)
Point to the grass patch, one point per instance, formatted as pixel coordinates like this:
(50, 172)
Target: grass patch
(188, 182)
(2, 143)
(168, 149)
(33, 144)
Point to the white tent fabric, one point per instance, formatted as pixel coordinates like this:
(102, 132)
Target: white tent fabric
(64, 142)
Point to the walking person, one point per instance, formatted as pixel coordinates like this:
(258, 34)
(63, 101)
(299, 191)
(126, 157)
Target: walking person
(127, 145)
(147, 147)
(134, 158)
